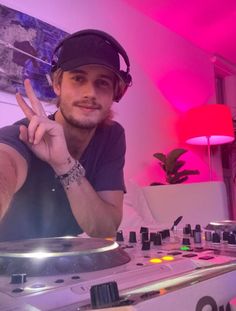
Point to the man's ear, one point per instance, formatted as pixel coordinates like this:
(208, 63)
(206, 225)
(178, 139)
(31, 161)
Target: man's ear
(56, 88)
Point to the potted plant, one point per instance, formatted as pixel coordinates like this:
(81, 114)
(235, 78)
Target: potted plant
(172, 166)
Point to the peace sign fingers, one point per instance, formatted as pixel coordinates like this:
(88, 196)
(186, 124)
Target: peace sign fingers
(28, 112)
(35, 103)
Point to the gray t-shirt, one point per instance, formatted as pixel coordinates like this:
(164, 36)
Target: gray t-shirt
(40, 208)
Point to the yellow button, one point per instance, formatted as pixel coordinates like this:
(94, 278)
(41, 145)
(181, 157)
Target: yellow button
(155, 260)
(167, 258)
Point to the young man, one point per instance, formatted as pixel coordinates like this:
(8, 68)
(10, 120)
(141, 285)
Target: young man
(63, 174)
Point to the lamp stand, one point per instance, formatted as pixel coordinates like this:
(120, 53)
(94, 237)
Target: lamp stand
(209, 157)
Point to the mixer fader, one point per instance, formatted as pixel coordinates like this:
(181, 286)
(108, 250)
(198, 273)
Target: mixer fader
(144, 269)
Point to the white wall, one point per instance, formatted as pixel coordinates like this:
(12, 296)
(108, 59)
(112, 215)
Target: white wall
(170, 75)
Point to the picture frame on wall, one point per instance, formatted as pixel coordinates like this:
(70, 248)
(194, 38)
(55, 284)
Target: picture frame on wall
(26, 50)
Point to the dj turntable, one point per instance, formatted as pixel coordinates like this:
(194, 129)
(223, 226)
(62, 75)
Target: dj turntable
(146, 269)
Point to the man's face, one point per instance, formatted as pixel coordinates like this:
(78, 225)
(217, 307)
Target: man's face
(86, 95)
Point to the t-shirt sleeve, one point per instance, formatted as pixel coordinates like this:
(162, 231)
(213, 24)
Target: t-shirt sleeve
(9, 135)
(110, 174)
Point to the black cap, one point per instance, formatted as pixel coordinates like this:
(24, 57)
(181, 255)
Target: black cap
(88, 50)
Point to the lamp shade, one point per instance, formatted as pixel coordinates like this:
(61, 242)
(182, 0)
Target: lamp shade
(208, 124)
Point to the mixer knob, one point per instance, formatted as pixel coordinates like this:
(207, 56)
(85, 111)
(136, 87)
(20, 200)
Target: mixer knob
(157, 239)
(143, 229)
(198, 228)
(186, 241)
(215, 237)
(197, 236)
(231, 239)
(119, 236)
(104, 295)
(187, 229)
(145, 236)
(165, 233)
(145, 245)
(132, 237)
(208, 236)
(225, 235)
(152, 236)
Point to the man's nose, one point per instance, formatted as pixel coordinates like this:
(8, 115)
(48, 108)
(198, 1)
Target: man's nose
(89, 90)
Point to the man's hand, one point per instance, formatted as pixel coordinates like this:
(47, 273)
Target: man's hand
(43, 136)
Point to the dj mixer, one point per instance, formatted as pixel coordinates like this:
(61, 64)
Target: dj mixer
(147, 269)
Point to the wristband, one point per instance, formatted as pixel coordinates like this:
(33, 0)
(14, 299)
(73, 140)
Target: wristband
(74, 174)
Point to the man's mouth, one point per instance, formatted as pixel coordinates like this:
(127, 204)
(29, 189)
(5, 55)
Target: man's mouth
(88, 107)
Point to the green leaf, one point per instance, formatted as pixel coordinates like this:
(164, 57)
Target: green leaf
(172, 157)
(160, 156)
(177, 166)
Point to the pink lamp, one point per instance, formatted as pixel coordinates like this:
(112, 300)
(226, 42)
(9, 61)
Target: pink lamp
(208, 125)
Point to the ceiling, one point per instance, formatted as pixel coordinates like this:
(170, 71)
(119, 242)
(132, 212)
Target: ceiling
(209, 24)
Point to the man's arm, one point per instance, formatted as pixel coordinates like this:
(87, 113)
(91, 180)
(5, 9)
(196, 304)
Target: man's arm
(98, 213)
(13, 171)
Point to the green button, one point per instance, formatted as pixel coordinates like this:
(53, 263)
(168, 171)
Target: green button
(185, 248)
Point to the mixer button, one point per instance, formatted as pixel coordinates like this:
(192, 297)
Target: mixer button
(190, 255)
(17, 290)
(104, 295)
(18, 278)
(59, 281)
(175, 253)
(207, 257)
(75, 277)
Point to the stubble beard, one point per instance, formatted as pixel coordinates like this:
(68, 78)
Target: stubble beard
(84, 124)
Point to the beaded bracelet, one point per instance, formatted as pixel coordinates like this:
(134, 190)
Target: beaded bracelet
(74, 174)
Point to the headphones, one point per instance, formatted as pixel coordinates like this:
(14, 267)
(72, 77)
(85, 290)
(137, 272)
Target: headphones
(125, 78)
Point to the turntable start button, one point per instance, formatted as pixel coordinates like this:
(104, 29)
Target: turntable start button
(18, 278)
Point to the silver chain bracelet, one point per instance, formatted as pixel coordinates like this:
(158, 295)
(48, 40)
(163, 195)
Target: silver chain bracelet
(74, 174)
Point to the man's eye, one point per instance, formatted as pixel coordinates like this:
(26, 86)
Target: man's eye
(104, 83)
(78, 78)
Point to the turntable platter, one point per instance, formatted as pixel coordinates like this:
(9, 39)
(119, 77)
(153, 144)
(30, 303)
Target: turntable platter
(63, 255)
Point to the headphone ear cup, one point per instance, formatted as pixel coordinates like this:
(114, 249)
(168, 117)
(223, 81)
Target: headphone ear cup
(126, 77)
(119, 90)
(122, 85)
